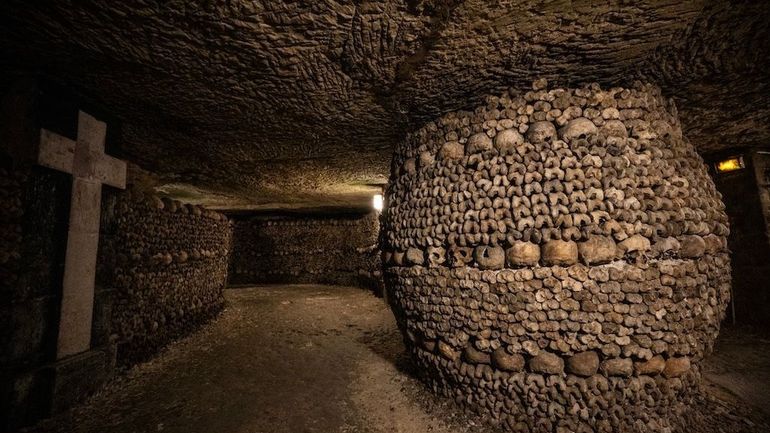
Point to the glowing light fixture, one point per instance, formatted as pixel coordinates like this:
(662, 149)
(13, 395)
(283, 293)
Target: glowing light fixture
(730, 164)
(377, 202)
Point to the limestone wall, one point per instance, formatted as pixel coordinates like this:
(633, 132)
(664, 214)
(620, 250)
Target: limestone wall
(307, 249)
(167, 265)
(557, 260)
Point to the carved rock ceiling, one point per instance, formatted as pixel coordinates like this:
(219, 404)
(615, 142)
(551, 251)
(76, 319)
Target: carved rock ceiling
(272, 104)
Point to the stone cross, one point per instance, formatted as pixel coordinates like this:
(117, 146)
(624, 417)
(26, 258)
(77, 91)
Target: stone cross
(90, 167)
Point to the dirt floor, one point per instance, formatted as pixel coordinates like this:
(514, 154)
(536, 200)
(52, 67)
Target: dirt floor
(741, 364)
(303, 359)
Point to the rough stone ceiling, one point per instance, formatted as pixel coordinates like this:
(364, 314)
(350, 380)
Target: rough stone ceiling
(271, 103)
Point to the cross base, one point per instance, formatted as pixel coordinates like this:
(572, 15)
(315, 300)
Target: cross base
(78, 376)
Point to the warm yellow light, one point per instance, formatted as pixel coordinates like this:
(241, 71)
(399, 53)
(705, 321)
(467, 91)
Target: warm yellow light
(730, 164)
(377, 202)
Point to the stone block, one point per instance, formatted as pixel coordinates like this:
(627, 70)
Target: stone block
(78, 376)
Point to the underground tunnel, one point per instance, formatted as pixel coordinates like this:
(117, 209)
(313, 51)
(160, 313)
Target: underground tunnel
(381, 216)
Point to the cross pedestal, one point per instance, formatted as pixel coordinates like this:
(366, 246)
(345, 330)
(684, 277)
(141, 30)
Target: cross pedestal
(90, 168)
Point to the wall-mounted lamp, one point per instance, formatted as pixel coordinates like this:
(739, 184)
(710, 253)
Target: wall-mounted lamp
(377, 202)
(732, 163)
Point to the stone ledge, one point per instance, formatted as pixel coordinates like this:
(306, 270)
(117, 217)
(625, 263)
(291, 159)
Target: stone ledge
(78, 376)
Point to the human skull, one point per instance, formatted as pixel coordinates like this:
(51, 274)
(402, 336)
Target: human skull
(426, 159)
(410, 167)
(451, 150)
(436, 256)
(478, 143)
(578, 128)
(507, 140)
(541, 132)
(614, 128)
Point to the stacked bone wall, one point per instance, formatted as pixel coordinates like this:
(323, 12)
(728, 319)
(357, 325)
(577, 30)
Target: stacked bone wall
(11, 217)
(21, 310)
(33, 212)
(557, 258)
(167, 265)
(339, 250)
(12, 186)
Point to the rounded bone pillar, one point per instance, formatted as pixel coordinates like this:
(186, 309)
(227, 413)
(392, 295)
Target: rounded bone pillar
(609, 322)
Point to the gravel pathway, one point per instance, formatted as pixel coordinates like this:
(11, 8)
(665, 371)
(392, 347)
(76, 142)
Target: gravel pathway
(299, 359)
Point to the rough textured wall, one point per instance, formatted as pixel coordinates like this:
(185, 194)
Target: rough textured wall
(557, 259)
(307, 249)
(335, 84)
(167, 264)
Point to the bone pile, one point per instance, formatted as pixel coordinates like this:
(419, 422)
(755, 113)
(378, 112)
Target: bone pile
(557, 260)
(170, 267)
(326, 250)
